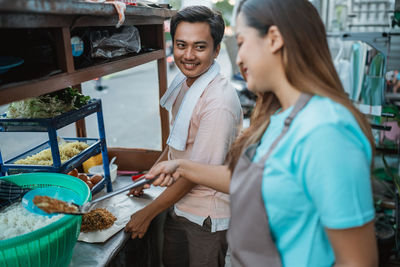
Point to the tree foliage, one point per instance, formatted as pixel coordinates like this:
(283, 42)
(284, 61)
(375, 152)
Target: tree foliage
(226, 9)
(176, 4)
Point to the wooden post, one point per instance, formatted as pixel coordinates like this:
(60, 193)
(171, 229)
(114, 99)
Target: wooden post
(66, 63)
(162, 84)
(80, 126)
(64, 50)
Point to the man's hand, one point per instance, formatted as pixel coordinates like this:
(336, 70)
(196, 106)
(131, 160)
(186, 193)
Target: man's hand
(139, 223)
(137, 192)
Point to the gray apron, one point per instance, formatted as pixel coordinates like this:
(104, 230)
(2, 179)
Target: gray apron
(249, 237)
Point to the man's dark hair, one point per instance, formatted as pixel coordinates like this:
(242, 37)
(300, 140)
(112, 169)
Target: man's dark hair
(194, 14)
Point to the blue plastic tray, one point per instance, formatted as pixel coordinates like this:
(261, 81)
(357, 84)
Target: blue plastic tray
(50, 125)
(93, 149)
(43, 125)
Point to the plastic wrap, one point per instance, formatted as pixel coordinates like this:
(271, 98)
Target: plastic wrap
(110, 45)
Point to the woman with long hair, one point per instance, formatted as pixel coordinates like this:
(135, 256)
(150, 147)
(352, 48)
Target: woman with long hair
(299, 176)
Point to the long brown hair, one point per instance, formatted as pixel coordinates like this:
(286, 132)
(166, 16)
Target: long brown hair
(307, 63)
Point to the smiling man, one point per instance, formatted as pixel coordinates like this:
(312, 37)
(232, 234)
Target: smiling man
(206, 118)
(194, 49)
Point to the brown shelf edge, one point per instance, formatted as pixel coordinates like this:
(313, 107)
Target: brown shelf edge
(78, 8)
(133, 159)
(16, 20)
(33, 88)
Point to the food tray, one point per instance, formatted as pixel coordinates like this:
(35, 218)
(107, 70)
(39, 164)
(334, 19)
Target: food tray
(44, 124)
(93, 149)
(53, 244)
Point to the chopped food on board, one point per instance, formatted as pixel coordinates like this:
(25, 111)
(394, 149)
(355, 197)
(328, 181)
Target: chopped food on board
(97, 219)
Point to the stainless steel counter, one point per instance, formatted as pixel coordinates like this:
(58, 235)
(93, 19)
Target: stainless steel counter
(101, 254)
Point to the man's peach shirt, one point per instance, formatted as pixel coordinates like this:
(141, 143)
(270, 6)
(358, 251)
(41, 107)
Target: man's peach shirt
(214, 125)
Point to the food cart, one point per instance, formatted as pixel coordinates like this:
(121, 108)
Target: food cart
(40, 33)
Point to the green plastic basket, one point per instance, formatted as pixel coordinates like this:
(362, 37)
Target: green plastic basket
(53, 244)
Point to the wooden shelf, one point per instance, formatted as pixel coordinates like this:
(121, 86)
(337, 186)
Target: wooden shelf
(68, 13)
(21, 90)
(74, 7)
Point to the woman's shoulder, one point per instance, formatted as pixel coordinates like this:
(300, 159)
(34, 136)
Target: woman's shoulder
(325, 123)
(322, 110)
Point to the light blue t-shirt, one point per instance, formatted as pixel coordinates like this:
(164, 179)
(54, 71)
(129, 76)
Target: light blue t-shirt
(317, 177)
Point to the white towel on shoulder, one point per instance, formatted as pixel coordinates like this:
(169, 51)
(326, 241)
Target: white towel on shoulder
(180, 130)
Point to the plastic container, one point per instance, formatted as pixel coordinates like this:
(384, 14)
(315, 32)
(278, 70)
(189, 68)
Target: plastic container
(53, 244)
(98, 169)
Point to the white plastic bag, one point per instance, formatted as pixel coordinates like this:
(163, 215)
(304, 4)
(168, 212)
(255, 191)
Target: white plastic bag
(109, 45)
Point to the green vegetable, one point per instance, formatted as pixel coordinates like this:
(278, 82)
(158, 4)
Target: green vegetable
(48, 105)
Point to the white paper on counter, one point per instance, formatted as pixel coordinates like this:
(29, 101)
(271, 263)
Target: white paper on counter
(122, 207)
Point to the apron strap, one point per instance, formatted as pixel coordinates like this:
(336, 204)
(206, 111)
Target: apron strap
(300, 104)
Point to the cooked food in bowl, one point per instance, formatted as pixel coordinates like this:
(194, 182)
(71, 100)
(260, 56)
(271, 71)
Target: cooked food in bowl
(15, 220)
(52, 244)
(98, 169)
